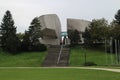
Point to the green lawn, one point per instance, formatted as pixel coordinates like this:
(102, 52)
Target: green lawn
(55, 74)
(26, 59)
(35, 59)
(99, 57)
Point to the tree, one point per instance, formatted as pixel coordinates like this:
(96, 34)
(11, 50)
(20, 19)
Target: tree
(87, 37)
(117, 17)
(115, 26)
(115, 31)
(9, 39)
(20, 36)
(97, 31)
(31, 38)
(26, 44)
(35, 31)
(115, 34)
(74, 36)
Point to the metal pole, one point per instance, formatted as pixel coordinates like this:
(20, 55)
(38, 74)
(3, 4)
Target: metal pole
(116, 50)
(106, 52)
(85, 58)
(111, 50)
(59, 56)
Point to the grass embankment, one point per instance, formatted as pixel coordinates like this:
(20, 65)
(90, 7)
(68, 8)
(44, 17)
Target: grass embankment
(25, 59)
(56, 74)
(77, 57)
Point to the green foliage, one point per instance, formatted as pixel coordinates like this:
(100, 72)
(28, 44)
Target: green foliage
(9, 39)
(115, 26)
(26, 44)
(74, 36)
(35, 31)
(117, 17)
(87, 37)
(39, 47)
(34, 35)
(20, 36)
(31, 38)
(97, 31)
(115, 32)
(13, 44)
(89, 64)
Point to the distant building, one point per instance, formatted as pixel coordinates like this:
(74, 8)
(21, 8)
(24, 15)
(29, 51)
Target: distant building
(51, 29)
(79, 25)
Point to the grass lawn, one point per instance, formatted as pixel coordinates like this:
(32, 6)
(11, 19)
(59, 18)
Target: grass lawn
(56, 74)
(26, 59)
(99, 57)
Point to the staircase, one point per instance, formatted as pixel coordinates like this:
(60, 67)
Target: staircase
(57, 56)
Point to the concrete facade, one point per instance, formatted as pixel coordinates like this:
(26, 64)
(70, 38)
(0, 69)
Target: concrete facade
(77, 24)
(51, 29)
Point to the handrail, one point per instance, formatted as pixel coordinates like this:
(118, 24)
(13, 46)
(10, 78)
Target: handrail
(60, 54)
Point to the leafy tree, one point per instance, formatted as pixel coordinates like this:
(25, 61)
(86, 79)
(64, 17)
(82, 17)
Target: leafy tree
(9, 39)
(115, 26)
(74, 36)
(87, 37)
(97, 31)
(117, 17)
(115, 31)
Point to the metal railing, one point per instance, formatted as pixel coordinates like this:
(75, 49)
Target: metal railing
(60, 54)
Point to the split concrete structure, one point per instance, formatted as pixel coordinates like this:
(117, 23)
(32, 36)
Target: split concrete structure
(51, 29)
(79, 25)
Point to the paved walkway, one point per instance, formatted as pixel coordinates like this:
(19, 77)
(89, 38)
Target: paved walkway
(105, 69)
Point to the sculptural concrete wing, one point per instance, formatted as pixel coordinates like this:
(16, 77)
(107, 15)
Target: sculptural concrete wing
(51, 29)
(78, 24)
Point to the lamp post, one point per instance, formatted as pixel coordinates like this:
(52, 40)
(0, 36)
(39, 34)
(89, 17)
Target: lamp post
(106, 51)
(111, 49)
(85, 56)
(116, 51)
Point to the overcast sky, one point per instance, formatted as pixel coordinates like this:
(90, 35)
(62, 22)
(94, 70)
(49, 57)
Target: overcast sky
(23, 11)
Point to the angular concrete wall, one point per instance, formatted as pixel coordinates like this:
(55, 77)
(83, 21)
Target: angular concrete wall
(51, 29)
(77, 24)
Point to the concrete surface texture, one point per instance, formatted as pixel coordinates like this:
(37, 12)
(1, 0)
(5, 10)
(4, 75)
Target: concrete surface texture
(77, 24)
(51, 29)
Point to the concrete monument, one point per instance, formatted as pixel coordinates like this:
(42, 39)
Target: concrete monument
(77, 24)
(51, 29)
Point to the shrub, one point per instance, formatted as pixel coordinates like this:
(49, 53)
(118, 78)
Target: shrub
(39, 47)
(90, 64)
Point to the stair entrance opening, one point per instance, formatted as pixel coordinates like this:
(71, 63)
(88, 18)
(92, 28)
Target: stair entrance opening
(64, 38)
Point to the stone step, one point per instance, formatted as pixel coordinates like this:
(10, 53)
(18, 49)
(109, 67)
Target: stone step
(52, 57)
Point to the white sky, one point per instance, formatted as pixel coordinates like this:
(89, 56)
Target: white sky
(23, 11)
